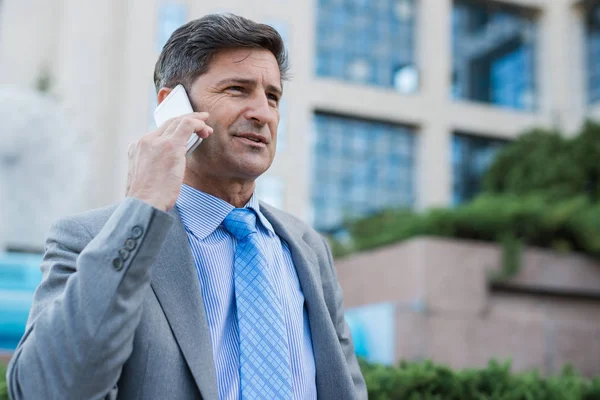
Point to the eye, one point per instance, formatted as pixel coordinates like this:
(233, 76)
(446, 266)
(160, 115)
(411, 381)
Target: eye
(273, 97)
(236, 88)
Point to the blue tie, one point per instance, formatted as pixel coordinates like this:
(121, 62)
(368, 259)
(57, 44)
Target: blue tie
(265, 370)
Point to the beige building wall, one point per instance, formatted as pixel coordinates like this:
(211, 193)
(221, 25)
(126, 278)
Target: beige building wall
(101, 57)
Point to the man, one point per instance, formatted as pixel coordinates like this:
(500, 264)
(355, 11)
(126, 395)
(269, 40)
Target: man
(191, 288)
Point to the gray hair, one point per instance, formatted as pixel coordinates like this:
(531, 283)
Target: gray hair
(190, 49)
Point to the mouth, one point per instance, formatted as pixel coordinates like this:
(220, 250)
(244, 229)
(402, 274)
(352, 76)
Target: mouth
(252, 139)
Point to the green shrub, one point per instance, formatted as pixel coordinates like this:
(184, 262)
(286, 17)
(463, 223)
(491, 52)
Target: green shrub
(545, 162)
(426, 380)
(3, 387)
(568, 225)
(541, 190)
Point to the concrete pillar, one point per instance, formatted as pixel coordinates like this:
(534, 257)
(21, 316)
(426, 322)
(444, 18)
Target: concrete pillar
(136, 94)
(28, 48)
(560, 69)
(88, 83)
(578, 72)
(434, 172)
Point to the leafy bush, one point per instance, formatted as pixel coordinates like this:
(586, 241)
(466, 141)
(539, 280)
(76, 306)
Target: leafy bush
(428, 381)
(544, 162)
(3, 387)
(568, 225)
(541, 190)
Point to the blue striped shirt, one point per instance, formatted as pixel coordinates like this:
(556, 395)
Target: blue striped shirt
(213, 249)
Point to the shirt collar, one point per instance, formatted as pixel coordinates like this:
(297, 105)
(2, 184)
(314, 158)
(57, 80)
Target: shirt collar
(202, 213)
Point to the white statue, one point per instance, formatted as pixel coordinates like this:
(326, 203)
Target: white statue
(43, 167)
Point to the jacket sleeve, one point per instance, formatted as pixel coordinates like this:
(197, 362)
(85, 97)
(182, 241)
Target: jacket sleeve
(343, 332)
(86, 309)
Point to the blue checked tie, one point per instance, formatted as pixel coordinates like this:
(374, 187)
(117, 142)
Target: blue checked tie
(265, 370)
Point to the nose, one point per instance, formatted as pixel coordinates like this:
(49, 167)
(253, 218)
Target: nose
(260, 111)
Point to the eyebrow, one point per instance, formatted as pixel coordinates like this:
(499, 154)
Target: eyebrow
(251, 82)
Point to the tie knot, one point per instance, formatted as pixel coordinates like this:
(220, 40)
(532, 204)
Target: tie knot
(240, 222)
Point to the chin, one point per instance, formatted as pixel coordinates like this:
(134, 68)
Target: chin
(252, 170)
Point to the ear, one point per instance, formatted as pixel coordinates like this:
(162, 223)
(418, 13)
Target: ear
(162, 94)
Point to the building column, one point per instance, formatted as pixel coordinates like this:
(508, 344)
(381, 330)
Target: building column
(434, 172)
(27, 48)
(561, 65)
(88, 84)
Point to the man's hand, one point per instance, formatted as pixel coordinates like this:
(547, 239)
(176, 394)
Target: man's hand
(157, 161)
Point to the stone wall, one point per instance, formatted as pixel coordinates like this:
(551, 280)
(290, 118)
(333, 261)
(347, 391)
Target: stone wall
(446, 310)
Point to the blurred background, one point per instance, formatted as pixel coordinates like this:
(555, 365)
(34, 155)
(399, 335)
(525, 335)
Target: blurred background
(441, 145)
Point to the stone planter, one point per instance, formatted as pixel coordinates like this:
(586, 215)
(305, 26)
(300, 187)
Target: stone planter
(446, 310)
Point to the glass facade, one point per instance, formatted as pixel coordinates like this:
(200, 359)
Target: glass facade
(471, 157)
(360, 167)
(367, 41)
(282, 129)
(270, 189)
(493, 51)
(592, 16)
(170, 17)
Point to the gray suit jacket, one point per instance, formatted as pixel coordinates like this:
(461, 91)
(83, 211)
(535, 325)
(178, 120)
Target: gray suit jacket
(119, 313)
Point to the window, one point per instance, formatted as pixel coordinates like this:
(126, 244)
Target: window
(270, 189)
(471, 157)
(360, 167)
(282, 129)
(593, 50)
(367, 41)
(493, 54)
(170, 17)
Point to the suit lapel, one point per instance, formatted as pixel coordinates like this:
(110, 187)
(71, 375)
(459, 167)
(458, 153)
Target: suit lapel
(175, 283)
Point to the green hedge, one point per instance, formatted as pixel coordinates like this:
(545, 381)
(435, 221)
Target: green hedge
(3, 388)
(568, 225)
(428, 381)
(541, 190)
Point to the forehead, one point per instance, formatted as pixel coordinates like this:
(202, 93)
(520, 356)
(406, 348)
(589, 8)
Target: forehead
(245, 63)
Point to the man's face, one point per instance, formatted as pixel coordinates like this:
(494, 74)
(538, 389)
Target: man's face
(241, 92)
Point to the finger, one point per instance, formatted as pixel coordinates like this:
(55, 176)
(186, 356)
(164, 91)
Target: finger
(186, 127)
(172, 124)
(200, 115)
(206, 132)
(169, 127)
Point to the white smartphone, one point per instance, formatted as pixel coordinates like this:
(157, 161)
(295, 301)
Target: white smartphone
(174, 105)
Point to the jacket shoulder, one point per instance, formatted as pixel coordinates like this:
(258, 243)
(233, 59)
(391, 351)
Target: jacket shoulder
(295, 226)
(91, 220)
(287, 219)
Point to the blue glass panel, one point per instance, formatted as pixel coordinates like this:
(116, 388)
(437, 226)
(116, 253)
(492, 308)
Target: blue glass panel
(170, 17)
(593, 51)
(471, 157)
(19, 276)
(493, 49)
(365, 41)
(360, 167)
(282, 130)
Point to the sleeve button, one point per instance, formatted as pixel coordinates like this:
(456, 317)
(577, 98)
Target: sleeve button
(118, 264)
(137, 232)
(130, 244)
(124, 254)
